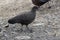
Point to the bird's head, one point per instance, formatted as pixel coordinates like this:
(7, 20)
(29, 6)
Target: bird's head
(34, 8)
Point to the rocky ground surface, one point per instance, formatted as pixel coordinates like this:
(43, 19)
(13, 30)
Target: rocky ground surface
(46, 26)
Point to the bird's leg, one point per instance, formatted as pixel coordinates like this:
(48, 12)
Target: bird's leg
(27, 27)
(29, 30)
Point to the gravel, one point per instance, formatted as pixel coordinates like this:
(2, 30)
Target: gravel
(46, 26)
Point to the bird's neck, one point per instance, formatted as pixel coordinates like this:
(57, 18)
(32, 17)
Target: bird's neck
(33, 11)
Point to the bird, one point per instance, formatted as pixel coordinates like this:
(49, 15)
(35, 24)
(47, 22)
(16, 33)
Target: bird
(24, 18)
(39, 3)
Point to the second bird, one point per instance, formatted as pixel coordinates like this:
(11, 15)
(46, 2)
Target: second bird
(39, 2)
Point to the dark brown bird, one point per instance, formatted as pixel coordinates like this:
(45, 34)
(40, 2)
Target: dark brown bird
(24, 19)
(39, 2)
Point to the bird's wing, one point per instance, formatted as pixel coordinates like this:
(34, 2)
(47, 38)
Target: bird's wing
(22, 16)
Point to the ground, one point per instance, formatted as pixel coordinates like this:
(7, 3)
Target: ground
(46, 25)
